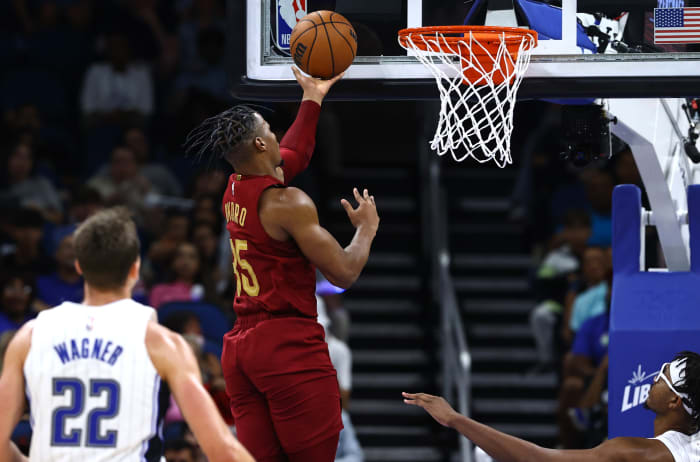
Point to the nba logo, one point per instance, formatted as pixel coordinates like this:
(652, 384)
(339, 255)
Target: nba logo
(289, 12)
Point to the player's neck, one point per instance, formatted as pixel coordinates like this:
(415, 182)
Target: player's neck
(671, 421)
(256, 167)
(95, 297)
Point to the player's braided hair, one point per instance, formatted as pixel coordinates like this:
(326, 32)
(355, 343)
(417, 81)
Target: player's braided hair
(692, 384)
(223, 135)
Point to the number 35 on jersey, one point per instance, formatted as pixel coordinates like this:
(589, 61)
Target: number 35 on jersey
(245, 276)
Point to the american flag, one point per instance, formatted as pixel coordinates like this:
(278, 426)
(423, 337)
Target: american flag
(677, 25)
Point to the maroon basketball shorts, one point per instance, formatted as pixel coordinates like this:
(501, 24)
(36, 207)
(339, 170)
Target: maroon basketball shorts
(281, 384)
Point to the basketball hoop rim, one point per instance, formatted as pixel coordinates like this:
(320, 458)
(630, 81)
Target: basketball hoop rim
(478, 90)
(486, 35)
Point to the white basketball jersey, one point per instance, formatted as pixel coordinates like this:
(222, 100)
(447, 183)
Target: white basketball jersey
(93, 390)
(685, 448)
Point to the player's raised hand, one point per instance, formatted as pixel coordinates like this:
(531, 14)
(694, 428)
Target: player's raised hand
(437, 407)
(366, 212)
(314, 89)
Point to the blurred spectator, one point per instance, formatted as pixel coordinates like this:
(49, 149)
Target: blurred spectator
(122, 183)
(61, 38)
(333, 302)
(17, 302)
(349, 449)
(119, 91)
(201, 14)
(180, 451)
(175, 231)
(26, 254)
(599, 186)
(541, 169)
(625, 168)
(207, 209)
(185, 283)
(151, 25)
(163, 181)
(212, 374)
(65, 284)
(590, 344)
(22, 186)
(205, 238)
(553, 280)
(52, 145)
(187, 324)
(340, 354)
(597, 269)
(209, 183)
(210, 76)
(591, 415)
(584, 378)
(84, 202)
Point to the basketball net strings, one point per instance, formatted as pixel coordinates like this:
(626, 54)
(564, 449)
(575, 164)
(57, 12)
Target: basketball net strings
(476, 118)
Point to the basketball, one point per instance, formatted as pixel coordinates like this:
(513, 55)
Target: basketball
(323, 44)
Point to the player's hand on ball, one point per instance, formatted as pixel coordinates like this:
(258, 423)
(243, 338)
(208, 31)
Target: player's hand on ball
(437, 407)
(366, 212)
(315, 89)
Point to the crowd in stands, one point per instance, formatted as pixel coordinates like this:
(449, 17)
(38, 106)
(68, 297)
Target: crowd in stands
(572, 232)
(96, 100)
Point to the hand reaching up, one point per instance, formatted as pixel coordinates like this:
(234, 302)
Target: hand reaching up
(365, 215)
(314, 89)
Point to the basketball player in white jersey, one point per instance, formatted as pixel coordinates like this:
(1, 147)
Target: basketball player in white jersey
(92, 372)
(674, 397)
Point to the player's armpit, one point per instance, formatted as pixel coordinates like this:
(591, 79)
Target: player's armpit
(176, 364)
(295, 213)
(12, 391)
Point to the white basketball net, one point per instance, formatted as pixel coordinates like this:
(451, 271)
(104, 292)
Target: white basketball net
(476, 116)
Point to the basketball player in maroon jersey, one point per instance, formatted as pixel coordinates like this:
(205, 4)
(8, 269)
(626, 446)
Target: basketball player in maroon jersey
(281, 384)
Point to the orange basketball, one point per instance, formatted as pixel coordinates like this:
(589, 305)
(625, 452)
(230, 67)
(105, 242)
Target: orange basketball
(323, 44)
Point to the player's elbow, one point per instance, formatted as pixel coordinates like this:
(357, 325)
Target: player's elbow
(344, 278)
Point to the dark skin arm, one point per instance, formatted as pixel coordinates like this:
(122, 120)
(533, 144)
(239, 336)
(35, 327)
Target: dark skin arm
(289, 213)
(506, 448)
(595, 389)
(566, 333)
(578, 365)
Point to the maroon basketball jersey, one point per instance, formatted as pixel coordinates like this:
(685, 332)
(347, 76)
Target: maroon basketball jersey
(271, 275)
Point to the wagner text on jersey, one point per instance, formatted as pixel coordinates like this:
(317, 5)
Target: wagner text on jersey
(86, 348)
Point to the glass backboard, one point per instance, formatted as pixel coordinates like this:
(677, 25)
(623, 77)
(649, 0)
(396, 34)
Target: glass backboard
(623, 48)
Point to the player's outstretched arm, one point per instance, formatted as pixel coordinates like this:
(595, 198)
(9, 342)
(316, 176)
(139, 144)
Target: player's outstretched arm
(298, 143)
(506, 448)
(289, 212)
(12, 392)
(176, 364)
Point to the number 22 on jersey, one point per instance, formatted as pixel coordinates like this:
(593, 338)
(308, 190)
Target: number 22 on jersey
(61, 436)
(245, 276)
